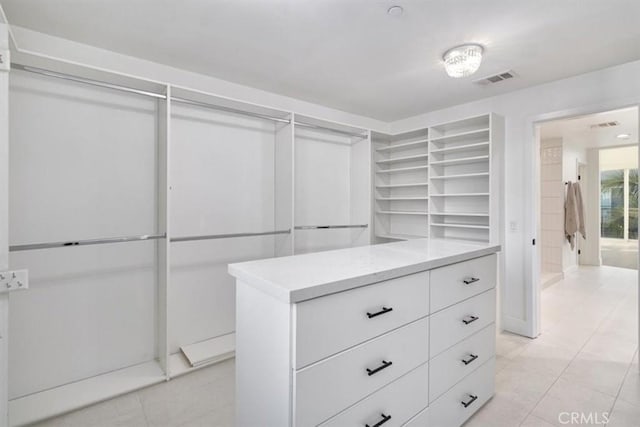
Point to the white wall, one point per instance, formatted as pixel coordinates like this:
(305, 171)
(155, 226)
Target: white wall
(551, 206)
(4, 230)
(597, 91)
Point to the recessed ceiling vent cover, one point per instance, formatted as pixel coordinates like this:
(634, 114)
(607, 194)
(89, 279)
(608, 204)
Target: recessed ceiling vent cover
(605, 125)
(496, 78)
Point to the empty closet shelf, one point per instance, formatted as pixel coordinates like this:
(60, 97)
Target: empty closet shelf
(461, 195)
(460, 134)
(390, 199)
(478, 214)
(226, 236)
(412, 184)
(462, 176)
(412, 168)
(453, 225)
(403, 145)
(465, 147)
(403, 212)
(393, 236)
(460, 161)
(87, 242)
(403, 159)
(325, 227)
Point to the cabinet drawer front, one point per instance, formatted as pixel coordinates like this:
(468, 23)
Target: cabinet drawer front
(328, 325)
(474, 391)
(400, 401)
(326, 388)
(459, 321)
(420, 420)
(457, 362)
(457, 282)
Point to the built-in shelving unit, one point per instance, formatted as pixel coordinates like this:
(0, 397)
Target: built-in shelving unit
(401, 186)
(458, 197)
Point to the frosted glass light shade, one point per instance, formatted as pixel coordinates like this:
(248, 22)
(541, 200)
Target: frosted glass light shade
(462, 61)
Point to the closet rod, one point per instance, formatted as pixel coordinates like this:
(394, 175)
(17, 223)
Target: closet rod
(341, 132)
(227, 236)
(230, 110)
(91, 82)
(34, 246)
(317, 227)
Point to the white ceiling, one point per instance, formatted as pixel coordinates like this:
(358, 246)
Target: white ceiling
(578, 131)
(349, 54)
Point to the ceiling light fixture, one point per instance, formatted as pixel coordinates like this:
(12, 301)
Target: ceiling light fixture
(462, 61)
(623, 136)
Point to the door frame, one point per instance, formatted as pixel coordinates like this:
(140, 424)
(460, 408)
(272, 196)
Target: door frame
(533, 287)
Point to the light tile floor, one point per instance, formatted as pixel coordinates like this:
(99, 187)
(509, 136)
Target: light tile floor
(584, 361)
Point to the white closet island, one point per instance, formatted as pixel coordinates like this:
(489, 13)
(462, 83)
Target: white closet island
(395, 334)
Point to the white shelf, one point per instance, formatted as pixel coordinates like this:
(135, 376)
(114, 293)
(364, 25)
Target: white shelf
(403, 145)
(461, 161)
(402, 198)
(402, 213)
(412, 168)
(461, 147)
(65, 398)
(477, 227)
(460, 134)
(413, 184)
(462, 176)
(460, 214)
(461, 195)
(403, 159)
(392, 236)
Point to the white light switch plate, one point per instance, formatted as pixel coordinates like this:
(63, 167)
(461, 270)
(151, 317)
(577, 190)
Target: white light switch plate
(14, 280)
(5, 60)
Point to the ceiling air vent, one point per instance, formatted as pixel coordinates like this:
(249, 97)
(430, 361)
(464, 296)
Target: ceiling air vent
(605, 125)
(496, 78)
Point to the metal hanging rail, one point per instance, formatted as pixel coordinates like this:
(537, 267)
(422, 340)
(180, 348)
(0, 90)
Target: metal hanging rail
(324, 227)
(325, 128)
(91, 82)
(230, 110)
(73, 243)
(226, 236)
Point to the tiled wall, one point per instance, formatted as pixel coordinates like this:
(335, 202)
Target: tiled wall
(551, 205)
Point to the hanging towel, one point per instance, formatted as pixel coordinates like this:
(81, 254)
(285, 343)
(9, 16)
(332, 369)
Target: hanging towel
(570, 215)
(580, 208)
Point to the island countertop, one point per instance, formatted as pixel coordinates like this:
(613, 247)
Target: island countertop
(296, 278)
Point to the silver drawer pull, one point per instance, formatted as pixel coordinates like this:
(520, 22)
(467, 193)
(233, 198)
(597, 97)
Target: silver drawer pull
(472, 398)
(470, 280)
(384, 419)
(471, 358)
(470, 319)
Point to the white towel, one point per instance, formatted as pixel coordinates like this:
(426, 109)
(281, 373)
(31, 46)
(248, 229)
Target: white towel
(574, 214)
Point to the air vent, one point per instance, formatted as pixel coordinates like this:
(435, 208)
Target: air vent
(605, 125)
(496, 78)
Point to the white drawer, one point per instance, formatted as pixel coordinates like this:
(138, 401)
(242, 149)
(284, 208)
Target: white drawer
(449, 410)
(328, 325)
(420, 420)
(326, 388)
(396, 403)
(457, 282)
(459, 321)
(457, 362)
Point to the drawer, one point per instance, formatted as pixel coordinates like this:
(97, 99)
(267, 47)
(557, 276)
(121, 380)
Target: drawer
(453, 324)
(457, 362)
(420, 420)
(326, 388)
(396, 402)
(328, 325)
(457, 282)
(475, 390)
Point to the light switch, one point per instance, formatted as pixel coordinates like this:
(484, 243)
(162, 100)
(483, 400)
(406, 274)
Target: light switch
(14, 280)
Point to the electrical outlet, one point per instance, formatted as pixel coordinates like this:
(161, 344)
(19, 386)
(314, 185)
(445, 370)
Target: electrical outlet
(14, 280)
(5, 61)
